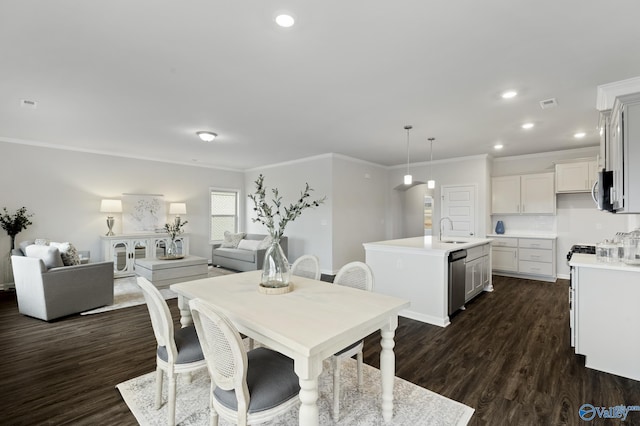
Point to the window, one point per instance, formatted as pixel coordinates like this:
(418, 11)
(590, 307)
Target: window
(224, 213)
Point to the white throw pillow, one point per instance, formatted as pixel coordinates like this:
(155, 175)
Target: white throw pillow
(68, 252)
(249, 245)
(49, 255)
(232, 240)
(265, 243)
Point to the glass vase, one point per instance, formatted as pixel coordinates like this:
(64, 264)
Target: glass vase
(172, 249)
(276, 272)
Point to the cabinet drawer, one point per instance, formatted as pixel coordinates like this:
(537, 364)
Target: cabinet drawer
(474, 253)
(504, 242)
(535, 268)
(535, 243)
(535, 255)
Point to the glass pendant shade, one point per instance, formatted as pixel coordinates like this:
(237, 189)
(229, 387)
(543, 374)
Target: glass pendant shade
(408, 179)
(431, 184)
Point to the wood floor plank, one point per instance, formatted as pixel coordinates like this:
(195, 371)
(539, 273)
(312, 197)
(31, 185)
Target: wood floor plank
(507, 355)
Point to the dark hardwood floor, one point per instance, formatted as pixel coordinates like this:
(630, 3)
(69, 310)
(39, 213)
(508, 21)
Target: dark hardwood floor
(508, 356)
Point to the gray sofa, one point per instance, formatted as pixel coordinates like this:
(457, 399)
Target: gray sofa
(239, 259)
(50, 293)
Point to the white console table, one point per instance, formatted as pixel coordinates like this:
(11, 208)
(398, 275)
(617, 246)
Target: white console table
(124, 249)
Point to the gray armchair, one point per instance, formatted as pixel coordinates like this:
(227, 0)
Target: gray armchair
(53, 293)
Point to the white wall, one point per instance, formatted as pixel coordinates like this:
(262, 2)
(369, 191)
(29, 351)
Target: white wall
(354, 212)
(64, 188)
(359, 208)
(458, 171)
(311, 232)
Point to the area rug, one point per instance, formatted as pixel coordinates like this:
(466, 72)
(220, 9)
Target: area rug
(126, 292)
(413, 405)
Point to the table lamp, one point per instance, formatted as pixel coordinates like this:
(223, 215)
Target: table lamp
(110, 207)
(177, 209)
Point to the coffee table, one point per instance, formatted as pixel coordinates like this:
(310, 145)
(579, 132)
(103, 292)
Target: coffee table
(161, 272)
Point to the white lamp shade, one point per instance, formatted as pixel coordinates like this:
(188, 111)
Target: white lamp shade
(111, 206)
(431, 184)
(177, 208)
(408, 179)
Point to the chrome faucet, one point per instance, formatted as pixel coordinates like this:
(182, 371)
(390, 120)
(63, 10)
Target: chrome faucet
(450, 226)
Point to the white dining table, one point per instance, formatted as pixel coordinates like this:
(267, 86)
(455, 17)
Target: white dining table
(309, 324)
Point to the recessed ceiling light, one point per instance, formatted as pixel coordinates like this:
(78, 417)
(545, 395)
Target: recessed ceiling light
(285, 21)
(509, 94)
(207, 136)
(498, 146)
(527, 125)
(579, 135)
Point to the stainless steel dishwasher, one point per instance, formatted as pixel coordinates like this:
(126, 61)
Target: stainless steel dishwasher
(457, 276)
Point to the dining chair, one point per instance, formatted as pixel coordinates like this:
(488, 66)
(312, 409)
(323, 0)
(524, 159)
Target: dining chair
(178, 350)
(356, 275)
(307, 266)
(246, 387)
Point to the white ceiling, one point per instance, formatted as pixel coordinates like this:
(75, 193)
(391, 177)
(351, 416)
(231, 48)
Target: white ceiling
(139, 78)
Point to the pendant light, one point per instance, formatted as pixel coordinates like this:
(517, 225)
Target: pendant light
(408, 179)
(431, 183)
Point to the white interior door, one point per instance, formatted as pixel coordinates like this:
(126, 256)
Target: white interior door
(459, 204)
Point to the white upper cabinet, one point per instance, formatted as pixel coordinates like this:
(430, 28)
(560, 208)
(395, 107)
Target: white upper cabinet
(505, 195)
(523, 194)
(576, 177)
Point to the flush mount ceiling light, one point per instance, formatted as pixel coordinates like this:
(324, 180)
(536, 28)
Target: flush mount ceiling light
(408, 179)
(527, 126)
(498, 146)
(509, 94)
(207, 136)
(285, 21)
(579, 135)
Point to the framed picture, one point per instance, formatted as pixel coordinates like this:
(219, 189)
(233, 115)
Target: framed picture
(142, 213)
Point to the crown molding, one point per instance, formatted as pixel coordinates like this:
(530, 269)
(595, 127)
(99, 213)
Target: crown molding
(112, 154)
(607, 93)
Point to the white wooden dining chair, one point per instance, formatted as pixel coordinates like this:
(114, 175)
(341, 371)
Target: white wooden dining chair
(246, 387)
(178, 350)
(307, 266)
(356, 275)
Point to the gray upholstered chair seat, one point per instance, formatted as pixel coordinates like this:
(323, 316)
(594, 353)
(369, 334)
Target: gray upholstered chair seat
(270, 378)
(188, 345)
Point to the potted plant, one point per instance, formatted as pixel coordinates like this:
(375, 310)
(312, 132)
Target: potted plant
(15, 223)
(275, 216)
(174, 230)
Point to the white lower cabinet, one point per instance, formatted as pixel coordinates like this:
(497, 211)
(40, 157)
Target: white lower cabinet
(532, 258)
(606, 316)
(478, 270)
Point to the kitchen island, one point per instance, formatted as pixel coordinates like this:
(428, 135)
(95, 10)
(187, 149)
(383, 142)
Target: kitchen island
(417, 269)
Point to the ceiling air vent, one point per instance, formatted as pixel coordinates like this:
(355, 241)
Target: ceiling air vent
(25, 103)
(548, 103)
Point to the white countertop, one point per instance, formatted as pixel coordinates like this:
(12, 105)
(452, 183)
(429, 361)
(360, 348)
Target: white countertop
(427, 244)
(524, 235)
(590, 261)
